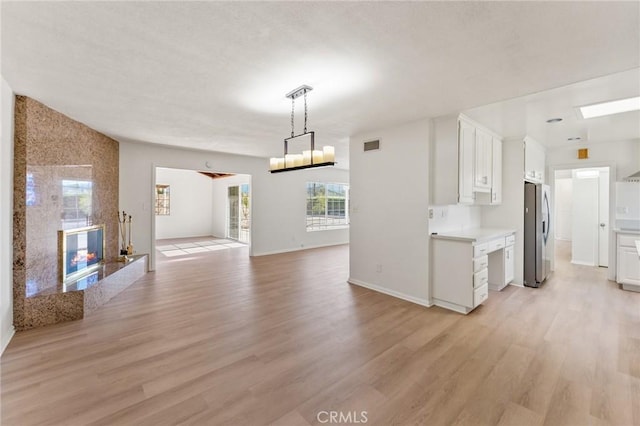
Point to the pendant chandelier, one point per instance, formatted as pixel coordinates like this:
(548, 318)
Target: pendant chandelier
(308, 158)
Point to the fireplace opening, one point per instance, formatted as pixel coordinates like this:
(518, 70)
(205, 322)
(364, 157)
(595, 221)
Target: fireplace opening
(81, 251)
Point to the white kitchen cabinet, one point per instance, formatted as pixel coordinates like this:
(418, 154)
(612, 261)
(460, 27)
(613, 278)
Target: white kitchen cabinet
(466, 159)
(502, 261)
(496, 171)
(495, 196)
(466, 163)
(534, 161)
(628, 265)
(482, 160)
(509, 264)
(463, 264)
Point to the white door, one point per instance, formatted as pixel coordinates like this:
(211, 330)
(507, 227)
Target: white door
(603, 220)
(584, 218)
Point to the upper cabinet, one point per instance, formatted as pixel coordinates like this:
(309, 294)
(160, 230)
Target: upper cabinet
(466, 163)
(534, 161)
(483, 160)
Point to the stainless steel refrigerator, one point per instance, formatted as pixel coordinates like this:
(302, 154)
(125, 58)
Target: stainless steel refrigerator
(537, 222)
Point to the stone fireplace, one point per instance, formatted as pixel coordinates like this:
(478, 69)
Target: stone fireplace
(65, 177)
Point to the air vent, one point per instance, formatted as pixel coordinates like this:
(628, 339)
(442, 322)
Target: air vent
(372, 145)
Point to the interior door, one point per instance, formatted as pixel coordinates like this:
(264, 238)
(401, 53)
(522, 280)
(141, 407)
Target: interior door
(584, 218)
(603, 219)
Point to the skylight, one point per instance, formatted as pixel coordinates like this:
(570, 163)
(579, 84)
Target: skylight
(609, 108)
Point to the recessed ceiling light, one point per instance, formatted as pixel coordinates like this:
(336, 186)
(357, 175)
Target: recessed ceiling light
(609, 108)
(554, 120)
(577, 138)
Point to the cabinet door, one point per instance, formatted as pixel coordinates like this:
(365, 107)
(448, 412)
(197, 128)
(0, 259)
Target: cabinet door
(628, 266)
(466, 144)
(534, 161)
(496, 172)
(483, 160)
(509, 264)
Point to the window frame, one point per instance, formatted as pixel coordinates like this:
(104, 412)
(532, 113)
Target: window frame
(163, 204)
(324, 224)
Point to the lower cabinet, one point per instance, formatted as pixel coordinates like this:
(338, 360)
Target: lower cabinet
(509, 264)
(502, 269)
(628, 265)
(463, 271)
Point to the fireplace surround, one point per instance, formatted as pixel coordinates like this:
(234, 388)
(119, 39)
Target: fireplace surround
(80, 251)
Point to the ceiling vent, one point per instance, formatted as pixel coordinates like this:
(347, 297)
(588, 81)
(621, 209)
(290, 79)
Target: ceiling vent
(372, 145)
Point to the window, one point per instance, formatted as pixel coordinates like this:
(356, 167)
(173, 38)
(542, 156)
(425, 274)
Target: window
(327, 206)
(163, 200)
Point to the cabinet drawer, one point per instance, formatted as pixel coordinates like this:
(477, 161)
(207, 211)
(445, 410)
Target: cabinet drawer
(480, 263)
(628, 240)
(480, 295)
(510, 240)
(481, 278)
(480, 250)
(496, 244)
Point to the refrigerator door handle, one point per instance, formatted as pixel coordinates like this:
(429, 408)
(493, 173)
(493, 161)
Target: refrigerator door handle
(547, 223)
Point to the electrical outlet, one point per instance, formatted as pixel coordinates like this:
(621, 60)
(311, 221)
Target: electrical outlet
(379, 267)
(430, 213)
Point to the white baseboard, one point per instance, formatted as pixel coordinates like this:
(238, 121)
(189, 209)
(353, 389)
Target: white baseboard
(6, 338)
(576, 262)
(289, 250)
(515, 284)
(393, 293)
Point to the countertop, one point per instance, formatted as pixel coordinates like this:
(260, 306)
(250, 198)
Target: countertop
(627, 231)
(476, 235)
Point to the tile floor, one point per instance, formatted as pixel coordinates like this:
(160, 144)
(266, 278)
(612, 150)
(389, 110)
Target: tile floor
(185, 246)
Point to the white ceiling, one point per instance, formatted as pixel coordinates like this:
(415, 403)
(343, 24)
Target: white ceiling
(528, 115)
(212, 75)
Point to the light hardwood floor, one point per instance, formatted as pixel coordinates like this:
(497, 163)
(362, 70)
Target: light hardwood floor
(279, 339)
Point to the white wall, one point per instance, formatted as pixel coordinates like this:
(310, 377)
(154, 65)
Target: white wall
(624, 154)
(279, 200)
(190, 204)
(562, 210)
(6, 215)
(219, 201)
(389, 201)
(510, 214)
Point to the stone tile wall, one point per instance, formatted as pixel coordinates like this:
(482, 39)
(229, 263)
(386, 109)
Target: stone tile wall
(51, 148)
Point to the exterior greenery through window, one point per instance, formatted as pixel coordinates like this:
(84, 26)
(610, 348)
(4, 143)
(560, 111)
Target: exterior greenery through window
(327, 206)
(163, 200)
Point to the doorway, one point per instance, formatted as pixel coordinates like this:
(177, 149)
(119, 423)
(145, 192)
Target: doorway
(582, 216)
(193, 217)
